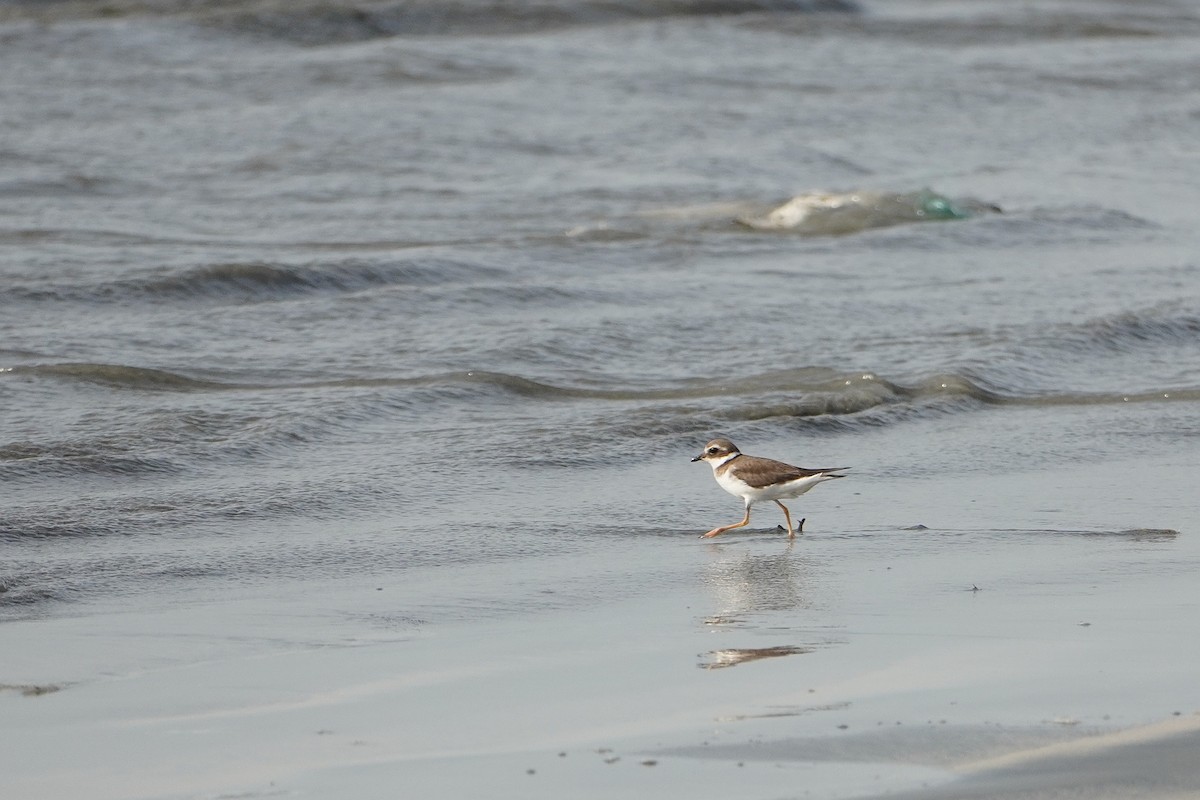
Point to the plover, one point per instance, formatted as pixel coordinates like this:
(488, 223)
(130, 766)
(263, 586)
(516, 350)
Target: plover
(755, 479)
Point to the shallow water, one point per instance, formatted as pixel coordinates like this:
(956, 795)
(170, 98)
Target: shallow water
(437, 300)
(273, 271)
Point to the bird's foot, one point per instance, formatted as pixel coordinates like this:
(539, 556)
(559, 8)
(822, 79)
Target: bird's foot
(799, 529)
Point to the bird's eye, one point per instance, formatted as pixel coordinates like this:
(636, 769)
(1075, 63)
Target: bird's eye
(712, 451)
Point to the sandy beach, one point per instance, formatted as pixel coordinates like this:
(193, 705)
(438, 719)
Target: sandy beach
(859, 661)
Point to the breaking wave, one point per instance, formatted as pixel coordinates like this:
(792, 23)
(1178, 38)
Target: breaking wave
(840, 213)
(256, 281)
(817, 390)
(1129, 330)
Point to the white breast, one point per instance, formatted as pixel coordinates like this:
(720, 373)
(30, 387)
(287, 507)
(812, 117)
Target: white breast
(780, 491)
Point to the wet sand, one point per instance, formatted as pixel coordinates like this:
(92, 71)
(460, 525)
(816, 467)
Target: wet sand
(986, 654)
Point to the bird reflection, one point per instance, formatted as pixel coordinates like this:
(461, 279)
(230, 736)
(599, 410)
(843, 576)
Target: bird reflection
(745, 585)
(719, 659)
(752, 583)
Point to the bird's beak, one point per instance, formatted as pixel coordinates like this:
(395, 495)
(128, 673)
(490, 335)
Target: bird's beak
(698, 458)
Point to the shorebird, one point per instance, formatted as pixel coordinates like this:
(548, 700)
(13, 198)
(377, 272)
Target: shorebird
(755, 479)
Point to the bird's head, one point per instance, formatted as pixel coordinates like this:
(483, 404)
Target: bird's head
(717, 450)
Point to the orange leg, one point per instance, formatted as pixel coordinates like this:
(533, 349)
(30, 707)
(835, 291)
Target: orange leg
(718, 531)
(788, 517)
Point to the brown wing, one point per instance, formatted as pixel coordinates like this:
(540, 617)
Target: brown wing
(760, 472)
